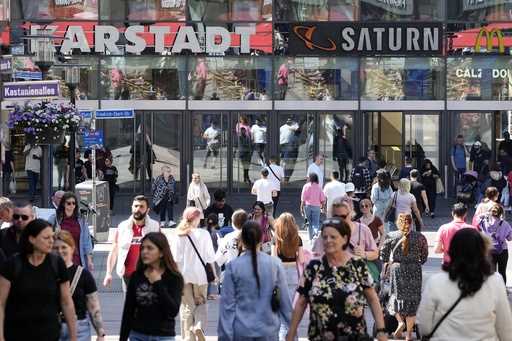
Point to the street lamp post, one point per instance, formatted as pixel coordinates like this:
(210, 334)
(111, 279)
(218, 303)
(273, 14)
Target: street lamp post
(44, 59)
(72, 81)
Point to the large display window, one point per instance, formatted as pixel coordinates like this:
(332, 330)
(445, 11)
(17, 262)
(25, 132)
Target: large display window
(226, 10)
(402, 78)
(314, 78)
(426, 10)
(144, 10)
(479, 10)
(40, 10)
(479, 78)
(316, 10)
(149, 78)
(230, 78)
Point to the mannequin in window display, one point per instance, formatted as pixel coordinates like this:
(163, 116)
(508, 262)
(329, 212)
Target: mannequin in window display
(287, 142)
(342, 152)
(212, 137)
(259, 138)
(245, 152)
(201, 75)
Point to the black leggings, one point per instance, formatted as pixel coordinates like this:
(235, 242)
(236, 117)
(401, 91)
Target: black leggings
(501, 259)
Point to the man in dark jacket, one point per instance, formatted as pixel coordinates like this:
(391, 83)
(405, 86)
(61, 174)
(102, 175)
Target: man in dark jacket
(342, 152)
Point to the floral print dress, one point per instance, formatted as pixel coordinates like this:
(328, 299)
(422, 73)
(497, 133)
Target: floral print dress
(336, 298)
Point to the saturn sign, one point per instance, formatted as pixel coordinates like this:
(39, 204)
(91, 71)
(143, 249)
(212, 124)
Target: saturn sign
(366, 39)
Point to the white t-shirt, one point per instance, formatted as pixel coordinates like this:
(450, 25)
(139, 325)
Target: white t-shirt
(404, 202)
(314, 168)
(186, 258)
(263, 189)
(32, 164)
(485, 316)
(228, 248)
(286, 131)
(212, 135)
(259, 134)
(276, 183)
(334, 189)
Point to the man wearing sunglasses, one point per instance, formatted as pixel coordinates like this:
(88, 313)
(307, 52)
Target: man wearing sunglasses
(10, 237)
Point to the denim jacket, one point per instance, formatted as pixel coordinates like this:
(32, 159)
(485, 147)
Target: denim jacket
(243, 312)
(85, 248)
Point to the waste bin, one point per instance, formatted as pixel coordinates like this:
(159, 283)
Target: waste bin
(84, 192)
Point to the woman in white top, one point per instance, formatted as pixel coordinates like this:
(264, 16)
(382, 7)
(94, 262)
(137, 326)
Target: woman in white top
(197, 195)
(483, 312)
(405, 203)
(193, 308)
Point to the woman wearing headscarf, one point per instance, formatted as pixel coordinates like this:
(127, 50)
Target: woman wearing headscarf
(197, 195)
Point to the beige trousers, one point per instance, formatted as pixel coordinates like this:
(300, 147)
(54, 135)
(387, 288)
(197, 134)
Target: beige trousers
(193, 310)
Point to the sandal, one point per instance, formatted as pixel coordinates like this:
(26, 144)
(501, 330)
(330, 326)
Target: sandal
(397, 334)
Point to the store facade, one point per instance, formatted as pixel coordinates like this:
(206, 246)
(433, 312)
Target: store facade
(207, 78)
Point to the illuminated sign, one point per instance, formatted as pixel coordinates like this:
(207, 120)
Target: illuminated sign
(366, 39)
(489, 35)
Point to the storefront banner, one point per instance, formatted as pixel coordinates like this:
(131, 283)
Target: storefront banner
(31, 90)
(336, 39)
(168, 38)
(472, 5)
(400, 7)
(114, 113)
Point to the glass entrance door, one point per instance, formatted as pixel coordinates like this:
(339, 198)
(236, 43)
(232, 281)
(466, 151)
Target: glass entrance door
(395, 135)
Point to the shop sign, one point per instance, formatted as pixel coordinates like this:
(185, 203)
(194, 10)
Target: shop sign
(114, 113)
(400, 7)
(489, 39)
(93, 138)
(366, 39)
(31, 90)
(477, 73)
(107, 39)
(472, 5)
(5, 64)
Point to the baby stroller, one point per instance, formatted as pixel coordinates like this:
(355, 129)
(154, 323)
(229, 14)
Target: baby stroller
(468, 189)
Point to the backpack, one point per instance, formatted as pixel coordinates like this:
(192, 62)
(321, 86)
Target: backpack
(358, 177)
(496, 243)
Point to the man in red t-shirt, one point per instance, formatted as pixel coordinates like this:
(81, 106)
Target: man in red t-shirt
(126, 246)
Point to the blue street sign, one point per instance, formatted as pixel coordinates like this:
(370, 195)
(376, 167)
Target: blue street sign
(85, 114)
(32, 75)
(114, 113)
(93, 138)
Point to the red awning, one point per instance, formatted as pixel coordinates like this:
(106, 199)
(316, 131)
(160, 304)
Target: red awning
(468, 38)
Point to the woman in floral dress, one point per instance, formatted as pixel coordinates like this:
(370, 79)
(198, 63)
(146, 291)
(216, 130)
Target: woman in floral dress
(404, 252)
(337, 288)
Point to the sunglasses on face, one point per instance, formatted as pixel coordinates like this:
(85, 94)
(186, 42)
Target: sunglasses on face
(23, 217)
(70, 203)
(365, 206)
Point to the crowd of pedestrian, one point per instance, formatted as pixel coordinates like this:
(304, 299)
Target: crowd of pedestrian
(359, 271)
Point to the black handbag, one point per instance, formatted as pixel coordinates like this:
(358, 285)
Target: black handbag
(210, 274)
(391, 213)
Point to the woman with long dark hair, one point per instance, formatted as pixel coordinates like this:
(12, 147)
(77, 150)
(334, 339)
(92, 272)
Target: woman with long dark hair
(259, 215)
(34, 289)
(68, 218)
(154, 294)
(481, 310)
(246, 311)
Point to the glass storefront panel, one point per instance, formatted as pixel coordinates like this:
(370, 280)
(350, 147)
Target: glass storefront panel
(149, 78)
(210, 133)
(315, 78)
(316, 10)
(422, 138)
(156, 10)
(401, 78)
(54, 9)
(296, 146)
(236, 10)
(5, 11)
(249, 147)
(479, 78)
(425, 10)
(229, 78)
(479, 10)
(474, 125)
(165, 138)
(336, 143)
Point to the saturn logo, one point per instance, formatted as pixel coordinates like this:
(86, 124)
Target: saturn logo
(305, 34)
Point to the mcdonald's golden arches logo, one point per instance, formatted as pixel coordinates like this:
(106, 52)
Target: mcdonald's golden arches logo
(489, 35)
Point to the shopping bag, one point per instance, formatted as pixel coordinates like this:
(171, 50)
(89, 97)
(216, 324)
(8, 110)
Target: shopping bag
(12, 185)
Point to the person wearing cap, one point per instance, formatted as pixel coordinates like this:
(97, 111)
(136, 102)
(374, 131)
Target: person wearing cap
(479, 155)
(350, 189)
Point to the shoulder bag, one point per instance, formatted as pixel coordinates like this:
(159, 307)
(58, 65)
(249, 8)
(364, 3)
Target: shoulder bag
(75, 280)
(210, 274)
(429, 336)
(274, 192)
(385, 283)
(391, 213)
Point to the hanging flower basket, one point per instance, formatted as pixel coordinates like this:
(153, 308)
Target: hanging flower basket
(45, 123)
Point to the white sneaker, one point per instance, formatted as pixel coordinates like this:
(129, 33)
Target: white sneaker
(171, 223)
(162, 224)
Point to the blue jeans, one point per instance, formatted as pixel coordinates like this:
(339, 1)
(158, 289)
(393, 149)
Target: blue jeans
(134, 336)
(33, 177)
(313, 216)
(83, 331)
